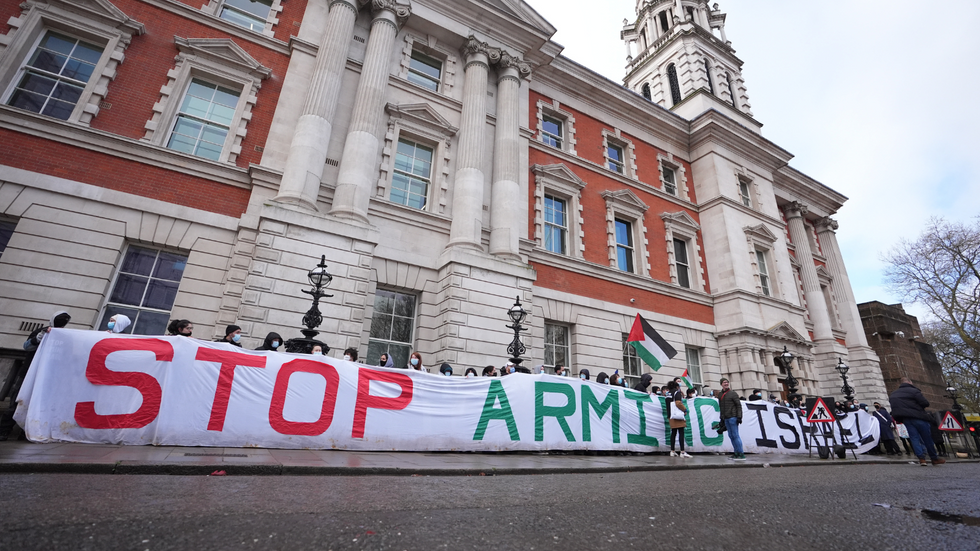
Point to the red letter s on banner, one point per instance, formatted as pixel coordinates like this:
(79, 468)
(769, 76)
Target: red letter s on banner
(281, 425)
(98, 374)
(365, 400)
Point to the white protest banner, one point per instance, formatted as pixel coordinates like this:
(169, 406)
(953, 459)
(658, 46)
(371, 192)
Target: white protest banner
(88, 386)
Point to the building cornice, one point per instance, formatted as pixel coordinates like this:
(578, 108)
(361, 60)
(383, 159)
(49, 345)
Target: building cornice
(790, 185)
(719, 200)
(613, 275)
(122, 147)
(712, 126)
(200, 16)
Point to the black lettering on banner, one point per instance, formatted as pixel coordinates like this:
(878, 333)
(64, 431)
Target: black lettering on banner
(862, 439)
(795, 444)
(805, 429)
(765, 442)
(846, 432)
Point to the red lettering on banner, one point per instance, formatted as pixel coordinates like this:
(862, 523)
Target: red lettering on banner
(229, 361)
(365, 400)
(281, 425)
(149, 388)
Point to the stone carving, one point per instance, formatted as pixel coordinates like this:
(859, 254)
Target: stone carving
(796, 206)
(827, 224)
(507, 60)
(401, 11)
(495, 56)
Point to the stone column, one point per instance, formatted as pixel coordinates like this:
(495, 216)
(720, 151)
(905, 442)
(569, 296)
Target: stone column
(300, 182)
(841, 284)
(467, 225)
(358, 165)
(680, 10)
(815, 302)
(505, 209)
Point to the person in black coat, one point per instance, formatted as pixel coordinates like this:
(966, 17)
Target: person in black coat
(272, 342)
(233, 334)
(644, 384)
(885, 423)
(909, 408)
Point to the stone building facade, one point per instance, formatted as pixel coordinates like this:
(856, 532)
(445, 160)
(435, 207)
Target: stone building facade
(168, 159)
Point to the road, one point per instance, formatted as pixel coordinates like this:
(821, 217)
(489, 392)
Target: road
(824, 507)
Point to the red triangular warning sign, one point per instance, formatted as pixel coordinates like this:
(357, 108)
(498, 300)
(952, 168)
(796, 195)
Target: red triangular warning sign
(820, 413)
(950, 423)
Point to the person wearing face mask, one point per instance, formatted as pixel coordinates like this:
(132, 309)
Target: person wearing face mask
(317, 350)
(180, 328)
(446, 370)
(615, 379)
(272, 342)
(415, 362)
(602, 378)
(350, 355)
(583, 374)
(560, 370)
(233, 334)
(644, 384)
(470, 373)
(490, 371)
(118, 323)
(385, 361)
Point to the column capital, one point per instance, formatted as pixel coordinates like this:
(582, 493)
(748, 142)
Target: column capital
(795, 209)
(508, 61)
(400, 11)
(826, 224)
(473, 48)
(353, 5)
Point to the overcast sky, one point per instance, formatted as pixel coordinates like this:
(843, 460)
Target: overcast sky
(876, 99)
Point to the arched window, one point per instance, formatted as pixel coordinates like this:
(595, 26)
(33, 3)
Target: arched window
(675, 88)
(707, 72)
(646, 92)
(664, 24)
(731, 89)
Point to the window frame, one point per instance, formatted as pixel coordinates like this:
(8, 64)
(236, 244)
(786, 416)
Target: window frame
(420, 123)
(627, 162)
(625, 206)
(433, 49)
(433, 148)
(667, 161)
(680, 225)
(181, 114)
(567, 346)
(761, 239)
(218, 61)
(631, 362)
(101, 24)
(762, 268)
(629, 247)
(559, 181)
(696, 382)
(553, 111)
(420, 74)
(117, 271)
(684, 245)
(216, 7)
(410, 344)
(562, 229)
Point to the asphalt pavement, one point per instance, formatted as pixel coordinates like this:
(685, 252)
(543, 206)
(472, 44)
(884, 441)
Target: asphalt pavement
(827, 507)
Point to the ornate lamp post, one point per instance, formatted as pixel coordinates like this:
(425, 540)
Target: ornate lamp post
(319, 278)
(951, 393)
(786, 359)
(516, 347)
(847, 390)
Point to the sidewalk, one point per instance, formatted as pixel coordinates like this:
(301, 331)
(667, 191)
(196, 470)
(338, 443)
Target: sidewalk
(27, 457)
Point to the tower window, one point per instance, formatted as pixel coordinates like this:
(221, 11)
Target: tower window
(646, 92)
(731, 89)
(675, 88)
(664, 23)
(707, 75)
(690, 13)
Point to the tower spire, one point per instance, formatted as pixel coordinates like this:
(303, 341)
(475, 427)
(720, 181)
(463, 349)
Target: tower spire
(678, 48)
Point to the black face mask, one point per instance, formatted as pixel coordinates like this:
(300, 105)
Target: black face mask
(61, 320)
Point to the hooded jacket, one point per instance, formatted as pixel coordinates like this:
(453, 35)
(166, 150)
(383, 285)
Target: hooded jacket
(267, 344)
(34, 339)
(389, 362)
(584, 372)
(908, 403)
(445, 368)
(644, 383)
(602, 378)
(122, 322)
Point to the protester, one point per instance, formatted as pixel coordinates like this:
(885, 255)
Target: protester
(182, 328)
(615, 380)
(903, 433)
(705, 391)
(677, 421)
(385, 360)
(560, 370)
(655, 391)
(583, 374)
(885, 423)
(909, 407)
(350, 355)
(756, 395)
(118, 323)
(317, 350)
(691, 393)
(58, 320)
(470, 373)
(446, 370)
(490, 371)
(415, 362)
(233, 334)
(602, 378)
(272, 342)
(644, 385)
(731, 416)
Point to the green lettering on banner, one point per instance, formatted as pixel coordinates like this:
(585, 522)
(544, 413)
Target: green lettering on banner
(698, 402)
(490, 413)
(665, 409)
(590, 401)
(642, 437)
(558, 412)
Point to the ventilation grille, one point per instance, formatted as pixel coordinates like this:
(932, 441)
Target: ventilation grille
(105, 105)
(259, 148)
(332, 162)
(358, 39)
(30, 326)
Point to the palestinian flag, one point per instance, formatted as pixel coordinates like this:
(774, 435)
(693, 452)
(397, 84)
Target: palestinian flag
(687, 382)
(649, 344)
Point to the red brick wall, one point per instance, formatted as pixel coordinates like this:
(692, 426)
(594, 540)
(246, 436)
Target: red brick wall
(602, 289)
(82, 165)
(144, 71)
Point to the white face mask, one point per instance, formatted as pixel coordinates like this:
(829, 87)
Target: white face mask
(275, 344)
(470, 375)
(346, 357)
(582, 376)
(415, 361)
(448, 374)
